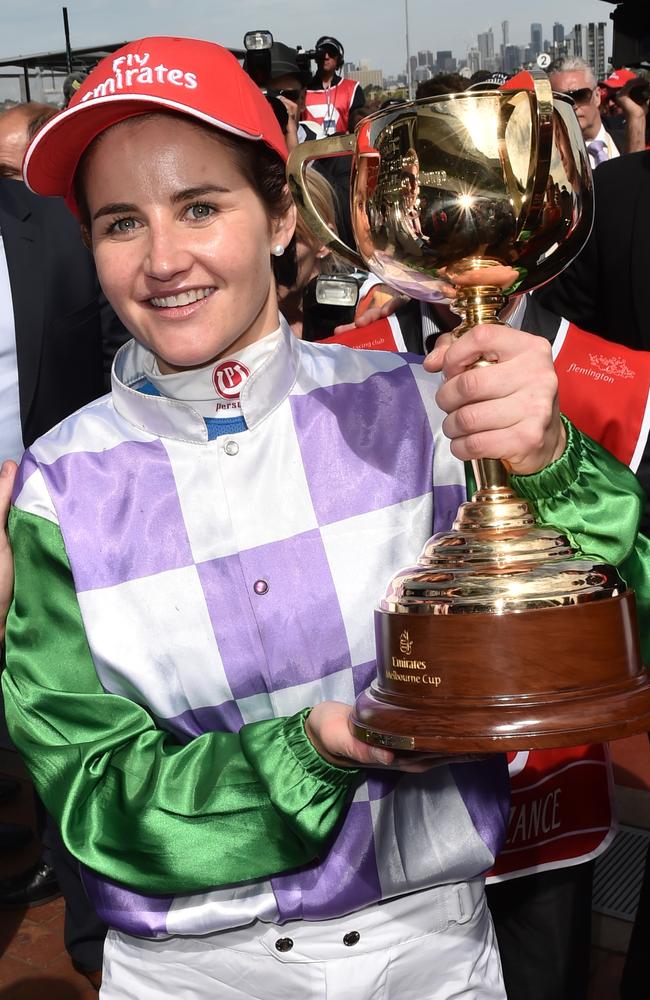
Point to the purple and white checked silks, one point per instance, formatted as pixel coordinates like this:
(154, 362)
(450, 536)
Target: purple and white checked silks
(228, 581)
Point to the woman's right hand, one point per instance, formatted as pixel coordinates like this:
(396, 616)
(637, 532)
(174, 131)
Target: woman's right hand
(328, 728)
(7, 476)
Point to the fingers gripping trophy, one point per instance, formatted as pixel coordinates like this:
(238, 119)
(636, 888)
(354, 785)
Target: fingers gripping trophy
(503, 636)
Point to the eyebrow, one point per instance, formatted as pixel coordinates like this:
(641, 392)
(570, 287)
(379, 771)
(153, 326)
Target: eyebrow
(199, 192)
(114, 208)
(10, 170)
(187, 194)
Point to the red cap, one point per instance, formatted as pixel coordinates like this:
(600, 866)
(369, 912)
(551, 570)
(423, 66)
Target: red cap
(619, 78)
(520, 81)
(192, 77)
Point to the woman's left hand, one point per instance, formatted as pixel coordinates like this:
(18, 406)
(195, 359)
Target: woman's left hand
(507, 410)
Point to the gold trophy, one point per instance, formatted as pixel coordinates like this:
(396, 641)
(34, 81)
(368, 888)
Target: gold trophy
(503, 637)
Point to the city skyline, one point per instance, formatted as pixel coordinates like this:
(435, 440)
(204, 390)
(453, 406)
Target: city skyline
(370, 31)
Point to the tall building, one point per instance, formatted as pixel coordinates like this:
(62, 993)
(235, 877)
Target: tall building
(486, 49)
(513, 58)
(473, 60)
(589, 44)
(505, 42)
(558, 33)
(536, 40)
(445, 62)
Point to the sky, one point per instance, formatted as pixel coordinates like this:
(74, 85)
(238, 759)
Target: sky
(373, 30)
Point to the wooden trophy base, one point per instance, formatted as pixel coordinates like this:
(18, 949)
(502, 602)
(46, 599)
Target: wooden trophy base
(487, 683)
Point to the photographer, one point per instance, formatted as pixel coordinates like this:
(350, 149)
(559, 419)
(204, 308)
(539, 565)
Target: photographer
(336, 104)
(289, 75)
(625, 98)
(282, 72)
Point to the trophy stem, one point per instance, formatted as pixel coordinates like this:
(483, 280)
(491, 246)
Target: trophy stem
(478, 305)
(491, 474)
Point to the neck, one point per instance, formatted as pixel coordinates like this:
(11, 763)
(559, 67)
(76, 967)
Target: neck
(592, 131)
(327, 76)
(291, 308)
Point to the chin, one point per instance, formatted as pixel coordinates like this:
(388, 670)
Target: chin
(185, 359)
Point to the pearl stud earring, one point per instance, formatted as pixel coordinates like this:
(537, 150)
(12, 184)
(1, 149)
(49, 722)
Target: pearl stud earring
(277, 250)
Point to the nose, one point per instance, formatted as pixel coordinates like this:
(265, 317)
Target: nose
(167, 254)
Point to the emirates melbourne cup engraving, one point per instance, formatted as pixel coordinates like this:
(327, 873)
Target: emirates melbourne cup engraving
(503, 636)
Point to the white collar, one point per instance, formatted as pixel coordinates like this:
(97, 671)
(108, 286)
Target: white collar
(263, 392)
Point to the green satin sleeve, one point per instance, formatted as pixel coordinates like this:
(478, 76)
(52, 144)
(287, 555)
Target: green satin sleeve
(132, 803)
(598, 503)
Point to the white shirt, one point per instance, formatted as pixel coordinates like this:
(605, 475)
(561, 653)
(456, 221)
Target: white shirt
(11, 438)
(612, 149)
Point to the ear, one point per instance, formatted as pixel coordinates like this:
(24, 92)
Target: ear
(86, 238)
(284, 226)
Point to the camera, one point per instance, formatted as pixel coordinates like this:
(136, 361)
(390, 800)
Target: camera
(329, 301)
(640, 93)
(258, 59)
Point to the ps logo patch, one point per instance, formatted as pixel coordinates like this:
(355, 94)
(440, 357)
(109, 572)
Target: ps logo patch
(229, 377)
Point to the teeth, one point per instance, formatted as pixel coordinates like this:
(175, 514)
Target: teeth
(182, 299)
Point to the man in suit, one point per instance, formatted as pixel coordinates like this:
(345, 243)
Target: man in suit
(606, 289)
(60, 347)
(56, 340)
(575, 77)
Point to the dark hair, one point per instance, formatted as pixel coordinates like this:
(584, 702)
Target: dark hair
(480, 76)
(443, 83)
(265, 172)
(262, 167)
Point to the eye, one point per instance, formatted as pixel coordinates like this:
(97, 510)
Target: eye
(200, 211)
(124, 225)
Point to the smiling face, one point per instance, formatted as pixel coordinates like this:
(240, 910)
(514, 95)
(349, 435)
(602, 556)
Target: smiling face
(181, 240)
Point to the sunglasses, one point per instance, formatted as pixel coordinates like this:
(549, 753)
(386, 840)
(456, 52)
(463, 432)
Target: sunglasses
(581, 96)
(290, 95)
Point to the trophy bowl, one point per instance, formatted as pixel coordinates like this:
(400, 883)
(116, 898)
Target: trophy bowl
(502, 636)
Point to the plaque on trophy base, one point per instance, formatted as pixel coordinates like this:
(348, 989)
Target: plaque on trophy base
(433, 693)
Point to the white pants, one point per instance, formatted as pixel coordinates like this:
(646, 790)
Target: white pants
(438, 944)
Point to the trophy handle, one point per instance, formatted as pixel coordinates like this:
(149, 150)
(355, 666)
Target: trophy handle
(299, 158)
(541, 149)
